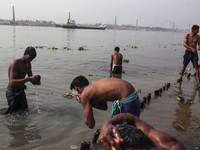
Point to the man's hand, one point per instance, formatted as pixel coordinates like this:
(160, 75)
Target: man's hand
(194, 50)
(35, 79)
(107, 133)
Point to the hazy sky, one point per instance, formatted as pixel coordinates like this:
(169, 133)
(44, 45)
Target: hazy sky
(153, 13)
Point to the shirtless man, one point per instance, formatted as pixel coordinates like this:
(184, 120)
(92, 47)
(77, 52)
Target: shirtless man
(117, 57)
(17, 71)
(190, 42)
(160, 139)
(98, 93)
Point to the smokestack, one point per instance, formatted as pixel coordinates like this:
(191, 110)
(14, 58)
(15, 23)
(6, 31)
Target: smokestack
(13, 15)
(136, 24)
(69, 15)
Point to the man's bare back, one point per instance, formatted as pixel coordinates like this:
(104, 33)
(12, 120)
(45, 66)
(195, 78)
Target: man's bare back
(117, 58)
(108, 89)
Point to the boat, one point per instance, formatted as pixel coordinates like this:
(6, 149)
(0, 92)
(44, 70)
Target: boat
(71, 24)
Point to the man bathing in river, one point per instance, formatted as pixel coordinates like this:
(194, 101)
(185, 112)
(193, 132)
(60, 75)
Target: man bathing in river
(117, 58)
(160, 139)
(17, 71)
(190, 42)
(98, 93)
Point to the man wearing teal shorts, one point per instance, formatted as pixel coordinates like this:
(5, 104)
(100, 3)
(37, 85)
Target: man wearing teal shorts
(129, 104)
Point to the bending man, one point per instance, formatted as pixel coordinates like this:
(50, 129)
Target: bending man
(99, 92)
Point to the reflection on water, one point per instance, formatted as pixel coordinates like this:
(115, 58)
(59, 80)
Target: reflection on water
(23, 131)
(183, 112)
(115, 75)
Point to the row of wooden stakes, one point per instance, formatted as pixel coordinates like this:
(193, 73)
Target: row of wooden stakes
(156, 93)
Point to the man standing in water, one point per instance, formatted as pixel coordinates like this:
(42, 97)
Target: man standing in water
(117, 57)
(98, 93)
(190, 42)
(17, 71)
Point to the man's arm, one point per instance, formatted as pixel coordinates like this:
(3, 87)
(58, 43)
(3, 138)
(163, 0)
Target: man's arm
(111, 62)
(89, 119)
(36, 80)
(160, 139)
(198, 42)
(186, 44)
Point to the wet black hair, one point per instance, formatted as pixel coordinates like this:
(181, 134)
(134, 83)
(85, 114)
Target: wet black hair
(80, 82)
(195, 27)
(117, 48)
(133, 137)
(31, 52)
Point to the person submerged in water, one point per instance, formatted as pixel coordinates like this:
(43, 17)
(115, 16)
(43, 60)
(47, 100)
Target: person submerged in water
(117, 58)
(18, 69)
(123, 137)
(98, 93)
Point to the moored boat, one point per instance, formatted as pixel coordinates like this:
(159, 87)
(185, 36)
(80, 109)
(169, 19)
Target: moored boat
(71, 24)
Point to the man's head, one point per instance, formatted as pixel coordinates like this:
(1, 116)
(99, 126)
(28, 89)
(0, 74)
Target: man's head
(79, 82)
(31, 52)
(195, 28)
(117, 49)
(77, 86)
(133, 138)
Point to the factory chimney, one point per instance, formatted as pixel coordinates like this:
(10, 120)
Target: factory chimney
(13, 16)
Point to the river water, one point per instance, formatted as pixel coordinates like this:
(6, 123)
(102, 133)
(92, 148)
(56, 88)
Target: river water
(54, 122)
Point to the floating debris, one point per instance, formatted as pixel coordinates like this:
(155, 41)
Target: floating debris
(57, 94)
(138, 90)
(68, 95)
(82, 48)
(67, 48)
(180, 126)
(54, 48)
(134, 46)
(89, 74)
(125, 60)
(40, 46)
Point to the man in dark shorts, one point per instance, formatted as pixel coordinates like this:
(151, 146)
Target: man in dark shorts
(190, 42)
(110, 136)
(17, 71)
(117, 58)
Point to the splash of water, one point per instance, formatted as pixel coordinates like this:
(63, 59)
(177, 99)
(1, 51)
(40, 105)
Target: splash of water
(37, 100)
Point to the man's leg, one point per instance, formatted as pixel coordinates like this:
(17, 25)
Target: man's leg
(197, 74)
(182, 72)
